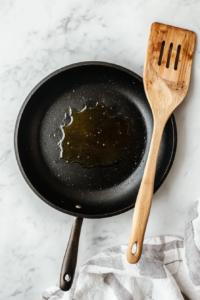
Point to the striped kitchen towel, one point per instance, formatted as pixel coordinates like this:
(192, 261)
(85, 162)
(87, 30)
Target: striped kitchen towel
(169, 268)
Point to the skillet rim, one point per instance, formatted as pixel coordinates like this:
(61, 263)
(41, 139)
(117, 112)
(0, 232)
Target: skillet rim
(75, 65)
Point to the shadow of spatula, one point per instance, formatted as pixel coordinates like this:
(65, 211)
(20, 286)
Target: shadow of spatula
(166, 80)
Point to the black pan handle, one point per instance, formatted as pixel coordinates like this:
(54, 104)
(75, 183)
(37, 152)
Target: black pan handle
(70, 258)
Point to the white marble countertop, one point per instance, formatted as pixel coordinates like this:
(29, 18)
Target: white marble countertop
(38, 37)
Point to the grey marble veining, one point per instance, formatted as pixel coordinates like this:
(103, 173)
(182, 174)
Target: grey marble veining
(38, 37)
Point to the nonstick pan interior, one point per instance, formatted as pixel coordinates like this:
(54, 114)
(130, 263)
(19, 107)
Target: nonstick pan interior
(86, 192)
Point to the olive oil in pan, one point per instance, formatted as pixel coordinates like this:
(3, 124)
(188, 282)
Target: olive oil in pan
(93, 138)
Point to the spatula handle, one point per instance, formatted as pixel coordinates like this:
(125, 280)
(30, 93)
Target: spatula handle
(144, 198)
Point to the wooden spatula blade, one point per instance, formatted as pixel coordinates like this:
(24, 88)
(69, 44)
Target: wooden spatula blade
(167, 77)
(180, 39)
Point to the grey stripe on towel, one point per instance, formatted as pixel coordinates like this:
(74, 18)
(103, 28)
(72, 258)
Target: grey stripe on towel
(120, 292)
(157, 251)
(107, 262)
(151, 268)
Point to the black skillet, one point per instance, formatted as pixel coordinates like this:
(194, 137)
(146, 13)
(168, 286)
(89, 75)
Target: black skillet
(97, 192)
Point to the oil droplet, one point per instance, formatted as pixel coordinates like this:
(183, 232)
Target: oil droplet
(90, 149)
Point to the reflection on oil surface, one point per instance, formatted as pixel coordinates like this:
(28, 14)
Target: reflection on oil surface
(94, 138)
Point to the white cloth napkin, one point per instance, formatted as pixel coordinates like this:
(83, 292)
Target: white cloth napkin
(169, 268)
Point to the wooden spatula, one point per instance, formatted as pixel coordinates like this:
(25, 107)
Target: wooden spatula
(166, 80)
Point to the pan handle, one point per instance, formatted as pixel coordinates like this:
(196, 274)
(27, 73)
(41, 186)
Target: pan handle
(70, 258)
